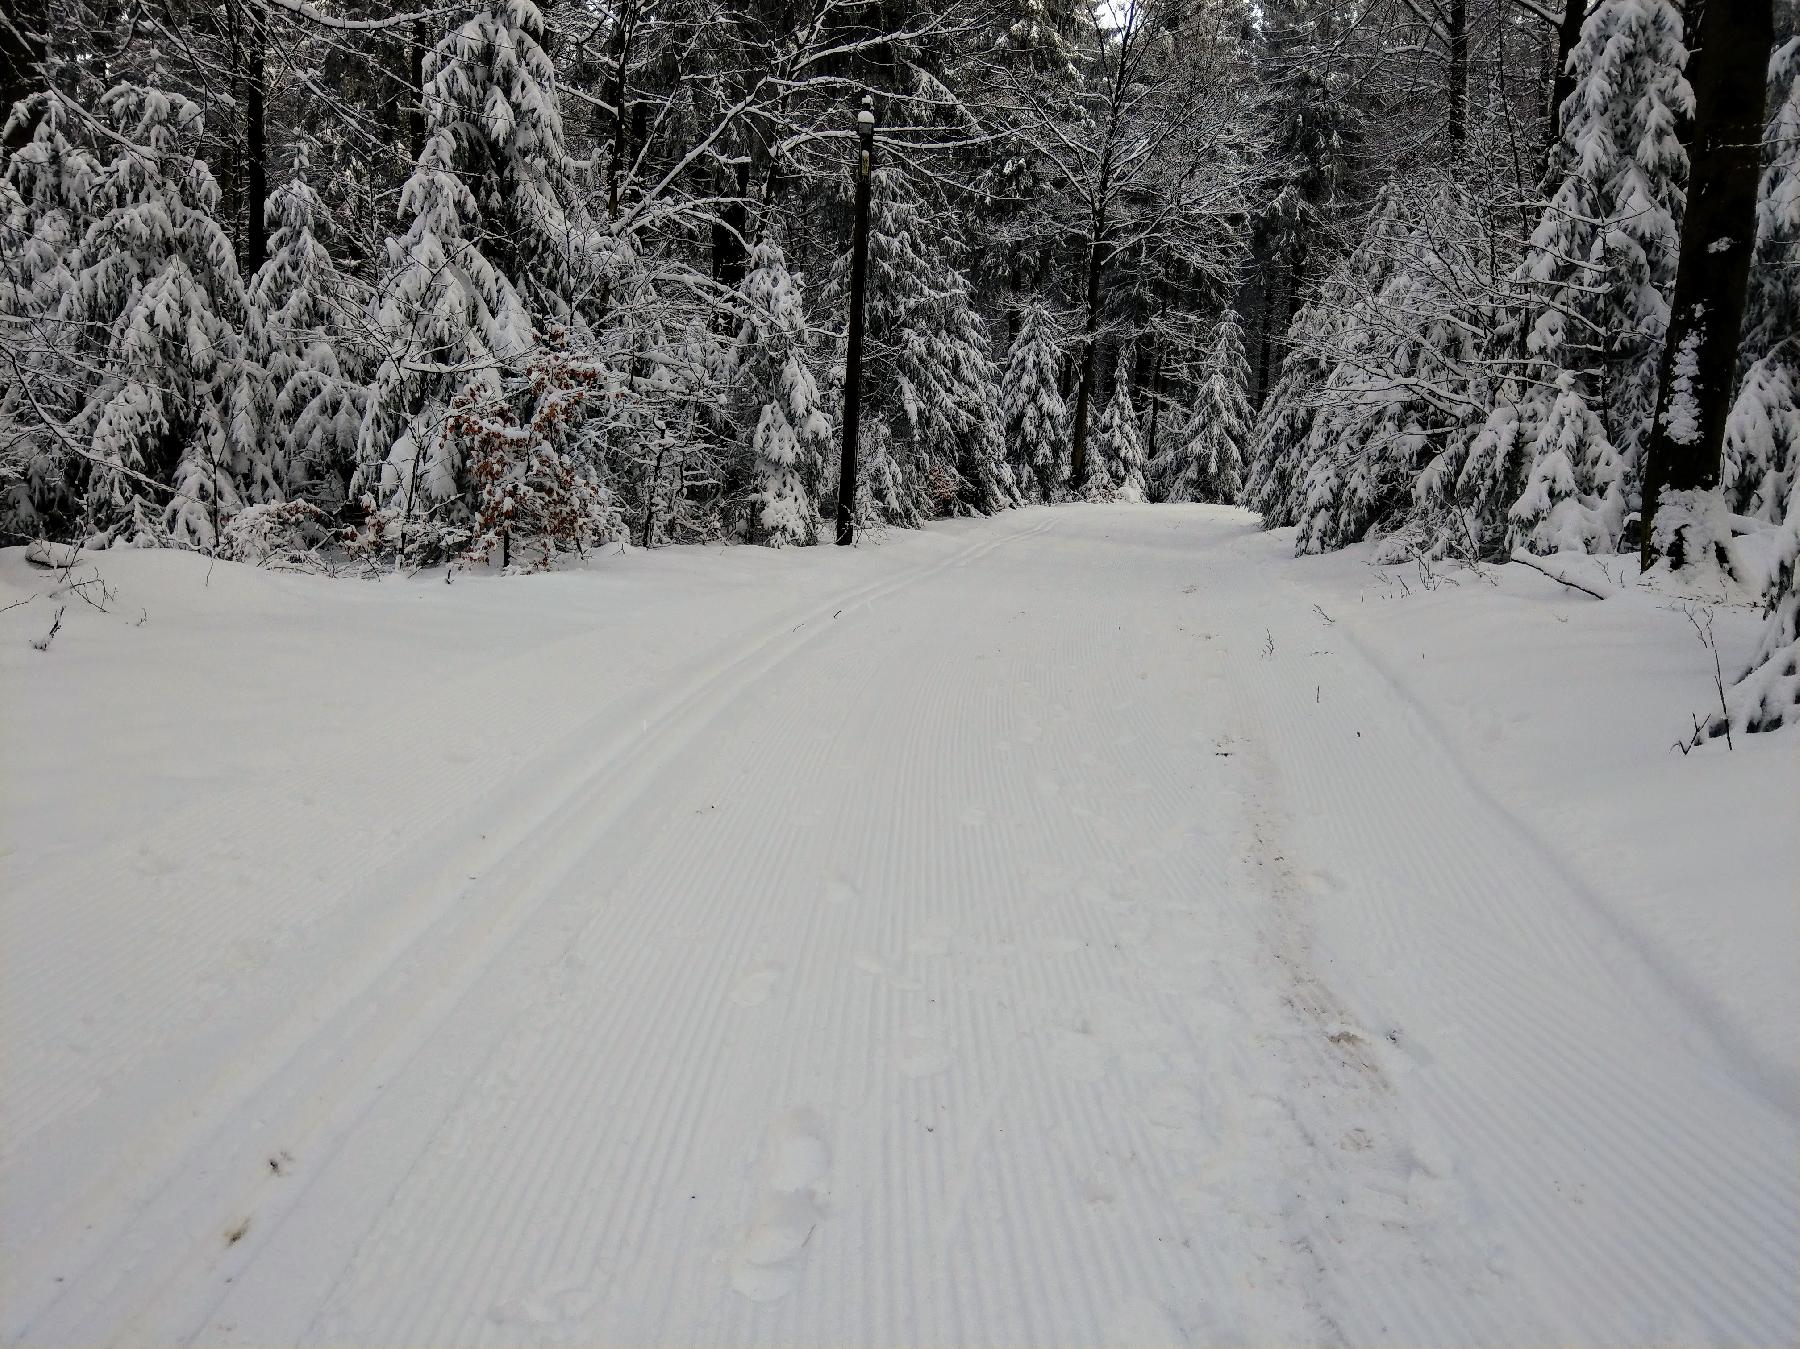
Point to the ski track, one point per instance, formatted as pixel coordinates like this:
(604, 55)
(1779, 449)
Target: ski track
(985, 955)
(1575, 1074)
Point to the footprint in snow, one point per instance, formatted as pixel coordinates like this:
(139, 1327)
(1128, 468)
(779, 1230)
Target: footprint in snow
(796, 1159)
(876, 968)
(547, 1308)
(754, 988)
(1179, 1119)
(923, 1052)
(933, 941)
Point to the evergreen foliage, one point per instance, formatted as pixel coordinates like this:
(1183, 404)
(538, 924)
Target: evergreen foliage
(1208, 462)
(788, 445)
(1119, 446)
(153, 316)
(1037, 419)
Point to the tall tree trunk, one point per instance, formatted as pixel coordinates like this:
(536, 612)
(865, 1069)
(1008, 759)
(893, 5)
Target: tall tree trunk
(1562, 82)
(415, 70)
(730, 231)
(256, 149)
(1459, 76)
(1712, 273)
(21, 55)
(1156, 402)
(1264, 327)
(1090, 335)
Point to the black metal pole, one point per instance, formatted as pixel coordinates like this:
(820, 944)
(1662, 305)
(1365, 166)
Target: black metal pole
(859, 267)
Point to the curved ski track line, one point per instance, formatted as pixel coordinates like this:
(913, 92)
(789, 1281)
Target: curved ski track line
(1779, 1087)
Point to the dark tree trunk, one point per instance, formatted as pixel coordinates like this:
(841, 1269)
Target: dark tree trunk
(1712, 274)
(1562, 82)
(1090, 335)
(1156, 402)
(1264, 327)
(1459, 76)
(415, 71)
(730, 231)
(256, 168)
(1015, 286)
(21, 54)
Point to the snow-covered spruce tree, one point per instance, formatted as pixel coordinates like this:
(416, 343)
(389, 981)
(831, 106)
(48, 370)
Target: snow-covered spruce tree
(492, 85)
(1767, 694)
(1037, 420)
(1275, 486)
(485, 230)
(790, 438)
(1119, 445)
(1595, 282)
(155, 311)
(1211, 453)
(45, 197)
(1762, 434)
(447, 319)
(297, 305)
(1403, 353)
(1575, 481)
(928, 376)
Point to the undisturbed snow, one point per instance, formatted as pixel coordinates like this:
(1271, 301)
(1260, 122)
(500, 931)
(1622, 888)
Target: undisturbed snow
(1087, 925)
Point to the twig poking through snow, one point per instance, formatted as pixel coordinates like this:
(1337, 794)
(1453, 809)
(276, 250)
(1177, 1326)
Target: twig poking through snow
(43, 643)
(1711, 643)
(1525, 559)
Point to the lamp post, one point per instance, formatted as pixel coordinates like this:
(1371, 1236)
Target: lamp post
(859, 267)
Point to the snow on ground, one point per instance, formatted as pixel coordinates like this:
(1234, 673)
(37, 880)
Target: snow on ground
(1082, 926)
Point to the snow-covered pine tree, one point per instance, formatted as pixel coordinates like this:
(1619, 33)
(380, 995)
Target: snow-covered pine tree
(447, 319)
(928, 374)
(155, 311)
(1404, 376)
(1210, 462)
(298, 303)
(1762, 434)
(1037, 420)
(45, 197)
(1119, 445)
(790, 438)
(483, 221)
(1598, 271)
(1275, 486)
(1576, 486)
(492, 86)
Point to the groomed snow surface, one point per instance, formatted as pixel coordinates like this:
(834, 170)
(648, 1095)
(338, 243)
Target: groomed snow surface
(1084, 926)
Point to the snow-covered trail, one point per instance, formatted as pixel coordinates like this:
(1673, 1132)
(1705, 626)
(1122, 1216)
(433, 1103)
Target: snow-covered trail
(1044, 930)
